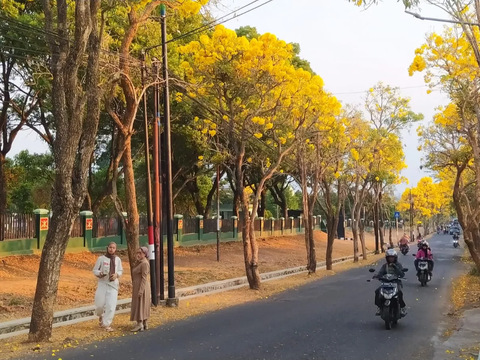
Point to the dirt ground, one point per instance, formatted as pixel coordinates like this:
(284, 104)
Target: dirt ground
(82, 334)
(194, 265)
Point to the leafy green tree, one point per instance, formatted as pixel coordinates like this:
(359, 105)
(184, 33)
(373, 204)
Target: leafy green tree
(31, 188)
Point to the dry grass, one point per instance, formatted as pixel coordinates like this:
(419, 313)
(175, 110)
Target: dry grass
(194, 265)
(466, 289)
(89, 332)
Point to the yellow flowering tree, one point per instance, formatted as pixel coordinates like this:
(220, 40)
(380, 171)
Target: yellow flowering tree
(358, 170)
(450, 155)
(316, 150)
(255, 102)
(389, 113)
(335, 148)
(451, 62)
(429, 199)
(388, 110)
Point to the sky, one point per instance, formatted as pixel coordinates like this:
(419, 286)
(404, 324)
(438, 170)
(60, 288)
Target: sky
(349, 47)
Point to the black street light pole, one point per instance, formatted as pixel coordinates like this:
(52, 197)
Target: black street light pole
(172, 301)
(151, 246)
(158, 218)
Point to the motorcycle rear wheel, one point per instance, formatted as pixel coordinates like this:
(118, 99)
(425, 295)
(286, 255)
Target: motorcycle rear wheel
(386, 318)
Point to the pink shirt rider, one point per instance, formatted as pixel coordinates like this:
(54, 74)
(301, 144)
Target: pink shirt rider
(404, 240)
(421, 254)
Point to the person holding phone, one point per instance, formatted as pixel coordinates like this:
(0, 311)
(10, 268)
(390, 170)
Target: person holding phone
(108, 269)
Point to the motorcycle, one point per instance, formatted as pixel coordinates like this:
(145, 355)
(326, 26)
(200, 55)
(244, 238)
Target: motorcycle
(423, 274)
(455, 241)
(389, 298)
(404, 249)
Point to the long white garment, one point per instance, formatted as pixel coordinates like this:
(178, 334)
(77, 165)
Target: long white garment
(107, 291)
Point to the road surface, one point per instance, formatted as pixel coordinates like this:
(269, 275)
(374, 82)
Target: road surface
(330, 319)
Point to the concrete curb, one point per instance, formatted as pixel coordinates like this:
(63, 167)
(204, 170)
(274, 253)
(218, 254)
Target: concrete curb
(73, 316)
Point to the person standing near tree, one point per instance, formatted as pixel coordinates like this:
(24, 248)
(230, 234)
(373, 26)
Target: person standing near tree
(108, 270)
(141, 297)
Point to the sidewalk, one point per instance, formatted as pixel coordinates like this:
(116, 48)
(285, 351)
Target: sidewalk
(459, 337)
(193, 266)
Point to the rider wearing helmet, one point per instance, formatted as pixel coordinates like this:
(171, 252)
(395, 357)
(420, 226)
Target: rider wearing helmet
(404, 240)
(392, 266)
(420, 240)
(424, 252)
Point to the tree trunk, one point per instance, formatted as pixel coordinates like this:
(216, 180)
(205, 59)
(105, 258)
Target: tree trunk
(331, 225)
(194, 191)
(474, 253)
(250, 252)
(390, 234)
(362, 240)
(355, 241)
(3, 197)
(49, 272)
(3, 189)
(208, 205)
(76, 114)
(250, 246)
(280, 199)
(310, 244)
(375, 229)
(132, 225)
(263, 203)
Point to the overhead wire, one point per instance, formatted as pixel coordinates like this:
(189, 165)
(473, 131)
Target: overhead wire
(22, 26)
(217, 22)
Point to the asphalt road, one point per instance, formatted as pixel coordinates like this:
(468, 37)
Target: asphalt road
(330, 319)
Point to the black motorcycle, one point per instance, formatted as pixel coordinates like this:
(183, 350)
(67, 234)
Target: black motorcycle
(455, 241)
(390, 309)
(404, 249)
(423, 274)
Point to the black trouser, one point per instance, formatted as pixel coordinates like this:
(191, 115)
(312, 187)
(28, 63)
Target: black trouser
(400, 298)
(430, 265)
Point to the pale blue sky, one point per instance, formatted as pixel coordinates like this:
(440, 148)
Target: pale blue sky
(351, 49)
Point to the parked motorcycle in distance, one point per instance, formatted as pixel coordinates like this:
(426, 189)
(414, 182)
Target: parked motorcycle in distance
(423, 275)
(389, 298)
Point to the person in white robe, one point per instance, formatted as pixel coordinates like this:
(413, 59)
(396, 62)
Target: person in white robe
(108, 270)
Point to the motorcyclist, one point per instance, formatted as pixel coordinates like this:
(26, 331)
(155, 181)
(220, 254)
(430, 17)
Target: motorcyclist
(392, 266)
(419, 241)
(404, 240)
(424, 252)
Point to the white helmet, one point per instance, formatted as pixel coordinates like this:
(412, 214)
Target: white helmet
(391, 253)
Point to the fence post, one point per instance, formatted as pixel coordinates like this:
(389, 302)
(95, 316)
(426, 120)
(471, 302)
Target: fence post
(235, 227)
(282, 225)
(123, 235)
(291, 224)
(272, 226)
(200, 226)
(261, 225)
(179, 221)
(41, 226)
(300, 218)
(87, 227)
